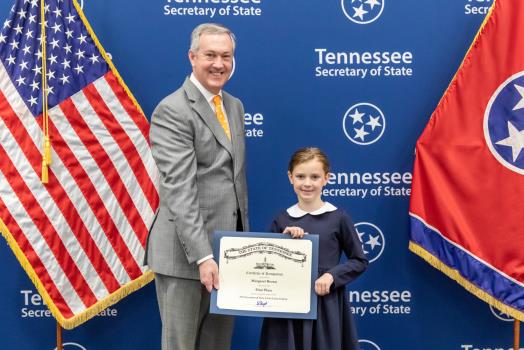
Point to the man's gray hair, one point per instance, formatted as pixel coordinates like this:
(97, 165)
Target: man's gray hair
(209, 28)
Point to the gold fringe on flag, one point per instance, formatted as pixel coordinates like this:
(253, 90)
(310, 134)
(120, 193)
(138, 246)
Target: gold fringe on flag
(470, 287)
(88, 313)
(106, 56)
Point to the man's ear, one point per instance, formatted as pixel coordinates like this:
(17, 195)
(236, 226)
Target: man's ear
(192, 57)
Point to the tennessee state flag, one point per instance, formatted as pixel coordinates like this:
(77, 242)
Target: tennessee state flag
(467, 202)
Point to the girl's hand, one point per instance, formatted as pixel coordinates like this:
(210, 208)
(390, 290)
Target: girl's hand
(323, 283)
(294, 231)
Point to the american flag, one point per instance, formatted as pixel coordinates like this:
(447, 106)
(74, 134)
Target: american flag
(81, 237)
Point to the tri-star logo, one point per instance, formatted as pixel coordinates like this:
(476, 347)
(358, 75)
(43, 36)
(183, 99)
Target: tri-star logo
(372, 239)
(362, 11)
(368, 345)
(364, 123)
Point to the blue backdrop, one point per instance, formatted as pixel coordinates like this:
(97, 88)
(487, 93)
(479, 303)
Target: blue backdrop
(358, 79)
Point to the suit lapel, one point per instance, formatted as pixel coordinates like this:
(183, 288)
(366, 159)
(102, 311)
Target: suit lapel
(202, 108)
(235, 128)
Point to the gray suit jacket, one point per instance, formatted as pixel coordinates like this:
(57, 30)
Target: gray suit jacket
(203, 180)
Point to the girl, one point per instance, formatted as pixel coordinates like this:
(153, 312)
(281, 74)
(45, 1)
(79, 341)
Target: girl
(334, 327)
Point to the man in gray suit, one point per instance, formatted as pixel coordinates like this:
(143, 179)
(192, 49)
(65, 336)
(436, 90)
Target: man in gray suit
(198, 144)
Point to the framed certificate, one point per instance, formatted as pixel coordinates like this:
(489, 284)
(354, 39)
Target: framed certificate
(265, 275)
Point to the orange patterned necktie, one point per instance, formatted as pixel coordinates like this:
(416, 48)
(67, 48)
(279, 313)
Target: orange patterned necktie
(220, 116)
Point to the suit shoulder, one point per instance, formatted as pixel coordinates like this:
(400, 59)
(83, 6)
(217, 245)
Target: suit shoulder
(173, 97)
(174, 103)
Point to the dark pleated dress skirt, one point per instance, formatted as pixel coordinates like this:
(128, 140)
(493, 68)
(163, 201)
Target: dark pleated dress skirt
(334, 328)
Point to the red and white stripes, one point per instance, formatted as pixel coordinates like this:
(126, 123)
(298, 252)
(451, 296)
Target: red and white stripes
(84, 232)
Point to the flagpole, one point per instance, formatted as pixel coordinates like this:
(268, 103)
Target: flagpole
(58, 337)
(46, 155)
(516, 336)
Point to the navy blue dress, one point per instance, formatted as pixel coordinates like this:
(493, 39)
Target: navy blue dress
(334, 327)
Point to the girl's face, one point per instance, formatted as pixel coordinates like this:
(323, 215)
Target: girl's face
(307, 179)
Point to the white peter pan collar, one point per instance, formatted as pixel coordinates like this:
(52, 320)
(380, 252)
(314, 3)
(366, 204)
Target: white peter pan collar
(296, 212)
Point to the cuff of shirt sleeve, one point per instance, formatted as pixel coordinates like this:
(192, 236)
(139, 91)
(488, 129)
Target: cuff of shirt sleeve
(204, 259)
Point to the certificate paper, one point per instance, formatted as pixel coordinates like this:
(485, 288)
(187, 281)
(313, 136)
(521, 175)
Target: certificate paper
(266, 275)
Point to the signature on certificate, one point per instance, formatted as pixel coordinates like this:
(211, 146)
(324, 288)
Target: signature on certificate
(261, 303)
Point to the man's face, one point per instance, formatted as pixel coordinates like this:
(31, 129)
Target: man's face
(213, 61)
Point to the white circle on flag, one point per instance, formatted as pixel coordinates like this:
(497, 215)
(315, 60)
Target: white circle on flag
(504, 123)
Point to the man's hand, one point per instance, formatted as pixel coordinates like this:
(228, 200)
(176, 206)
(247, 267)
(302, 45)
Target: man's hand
(209, 274)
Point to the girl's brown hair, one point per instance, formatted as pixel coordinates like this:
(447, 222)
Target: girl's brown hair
(306, 154)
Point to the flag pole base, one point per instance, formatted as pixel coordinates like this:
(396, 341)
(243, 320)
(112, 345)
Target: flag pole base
(516, 335)
(58, 337)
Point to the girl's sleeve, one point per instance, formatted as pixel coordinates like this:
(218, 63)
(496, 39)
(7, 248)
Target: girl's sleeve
(275, 227)
(356, 259)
